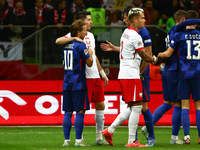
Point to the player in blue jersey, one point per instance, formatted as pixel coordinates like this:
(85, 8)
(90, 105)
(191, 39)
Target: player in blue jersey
(144, 74)
(186, 44)
(75, 97)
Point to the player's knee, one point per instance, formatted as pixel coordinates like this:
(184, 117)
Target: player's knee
(100, 106)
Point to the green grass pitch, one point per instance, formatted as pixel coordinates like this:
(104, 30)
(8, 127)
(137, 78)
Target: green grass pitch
(52, 138)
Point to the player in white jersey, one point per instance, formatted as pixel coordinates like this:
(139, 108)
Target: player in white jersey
(94, 84)
(131, 53)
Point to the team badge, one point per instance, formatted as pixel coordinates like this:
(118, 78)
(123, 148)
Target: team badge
(87, 40)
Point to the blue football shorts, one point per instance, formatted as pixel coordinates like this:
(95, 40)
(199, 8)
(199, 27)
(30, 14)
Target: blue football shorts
(75, 100)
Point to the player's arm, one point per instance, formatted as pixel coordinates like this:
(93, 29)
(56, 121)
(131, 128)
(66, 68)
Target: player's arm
(147, 57)
(182, 25)
(166, 54)
(144, 64)
(89, 61)
(109, 47)
(64, 39)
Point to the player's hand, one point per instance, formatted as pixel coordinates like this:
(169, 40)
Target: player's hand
(155, 59)
(107, 47)
(78, 39)
(105, 81)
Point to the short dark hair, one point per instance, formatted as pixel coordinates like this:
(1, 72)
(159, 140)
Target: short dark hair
(192, 14)
(76, 26)
(82, 15)
(127, 9)
(178, 15)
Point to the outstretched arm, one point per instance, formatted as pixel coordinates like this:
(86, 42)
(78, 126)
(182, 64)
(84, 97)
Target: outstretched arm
(166, 54)
(63, 40)
(109, 47)
(182, 25)
(147, 57)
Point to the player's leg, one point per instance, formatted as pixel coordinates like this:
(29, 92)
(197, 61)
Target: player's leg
(122, 117)
(197, 107)
(176, 123)
(196, 97)
(81, 103)
(184, 94)
(67, 123)
(149, 124)
(167, 105)
(97, 97)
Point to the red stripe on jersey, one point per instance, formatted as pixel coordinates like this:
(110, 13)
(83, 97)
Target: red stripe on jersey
(131, 28)
(139, 49)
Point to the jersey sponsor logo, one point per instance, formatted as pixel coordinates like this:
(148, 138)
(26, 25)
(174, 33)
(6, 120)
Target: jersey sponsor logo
(87, 40)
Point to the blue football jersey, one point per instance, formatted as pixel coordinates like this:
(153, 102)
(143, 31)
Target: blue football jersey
(187, 43)
(146, 38)
(74, 55)
(172, 62)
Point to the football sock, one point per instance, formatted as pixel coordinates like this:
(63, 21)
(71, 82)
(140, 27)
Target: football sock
(99, 118)
(176, 120)
(174, 137)
(78, 125)
(160, 111)
(198, 121)
(185, 121)
(67, 124)
(149, 123)
(122, 117)
(133, 122)
(136, 135)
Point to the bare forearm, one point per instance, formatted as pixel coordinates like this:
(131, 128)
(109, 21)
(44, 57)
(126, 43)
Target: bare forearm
(64, 40)
(145, 56)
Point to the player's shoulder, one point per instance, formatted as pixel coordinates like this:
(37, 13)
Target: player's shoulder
(89, 34)
(144, 32)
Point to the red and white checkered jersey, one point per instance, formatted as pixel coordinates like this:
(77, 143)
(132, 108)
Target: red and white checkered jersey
(91, 72)
(130, 43)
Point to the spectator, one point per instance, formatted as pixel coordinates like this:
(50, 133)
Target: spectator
(17, 18)
(5, 14)
(114, 19)
(77, 6)
(166, 22)
(37, 16)
(48, 5)
(174, 7)
(12, 3)
(60, 15)
(138, 3)
(155, 16)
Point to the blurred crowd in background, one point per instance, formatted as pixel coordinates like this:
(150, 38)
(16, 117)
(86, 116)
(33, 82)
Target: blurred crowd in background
(40, 13)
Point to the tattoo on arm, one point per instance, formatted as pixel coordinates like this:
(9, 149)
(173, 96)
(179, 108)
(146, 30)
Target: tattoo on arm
(145, 56)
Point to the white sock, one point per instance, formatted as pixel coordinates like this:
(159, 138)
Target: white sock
(67, 140)
(79, 140)
(133, 122)
(186, 137)
(122, 117)
(174, 137)
(99, 118)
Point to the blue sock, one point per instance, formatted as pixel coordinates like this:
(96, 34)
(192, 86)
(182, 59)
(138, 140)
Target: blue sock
(185, 121)
(149, 123)
(198, 121)
(176, 120)
(78, 125)
(67, 124)
(160, 111)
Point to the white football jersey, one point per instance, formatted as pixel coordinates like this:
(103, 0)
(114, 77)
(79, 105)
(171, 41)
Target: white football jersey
(130, 43)
(91, 72)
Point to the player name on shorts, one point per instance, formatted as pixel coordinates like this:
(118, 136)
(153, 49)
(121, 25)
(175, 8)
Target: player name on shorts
(192, 36)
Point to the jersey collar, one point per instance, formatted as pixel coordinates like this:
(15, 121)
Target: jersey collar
(131, 28)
